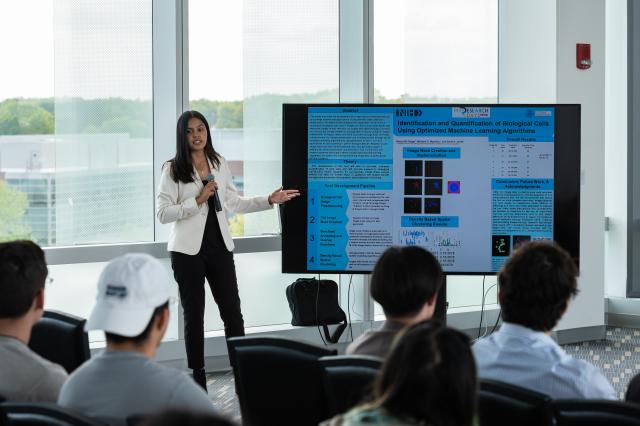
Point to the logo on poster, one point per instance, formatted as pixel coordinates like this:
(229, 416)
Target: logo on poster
(471, 112)
(408, 113)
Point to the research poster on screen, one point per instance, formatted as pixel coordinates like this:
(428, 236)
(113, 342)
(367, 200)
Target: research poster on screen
(467, 183)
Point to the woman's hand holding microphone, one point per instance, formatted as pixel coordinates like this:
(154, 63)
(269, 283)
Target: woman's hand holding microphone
(206, 193)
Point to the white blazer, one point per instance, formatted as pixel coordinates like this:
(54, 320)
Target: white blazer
(176, 204)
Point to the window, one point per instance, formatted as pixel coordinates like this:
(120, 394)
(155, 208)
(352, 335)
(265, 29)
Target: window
(436, 51)
(76, 122)
(247, 58)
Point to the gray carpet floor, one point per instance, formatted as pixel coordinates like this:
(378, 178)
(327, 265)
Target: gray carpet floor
(222, 392)
(618, 356)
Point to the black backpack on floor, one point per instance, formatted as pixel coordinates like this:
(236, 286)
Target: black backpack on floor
(315, 303)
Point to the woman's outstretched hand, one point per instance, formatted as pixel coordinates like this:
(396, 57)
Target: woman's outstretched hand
(280, 195)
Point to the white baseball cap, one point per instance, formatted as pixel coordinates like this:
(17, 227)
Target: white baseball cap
(130, 288)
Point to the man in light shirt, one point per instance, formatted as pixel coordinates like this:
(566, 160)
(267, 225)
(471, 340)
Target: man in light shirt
(535, 287)
(132, 308)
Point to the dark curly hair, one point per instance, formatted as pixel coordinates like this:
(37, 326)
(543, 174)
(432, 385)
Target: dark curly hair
(404, 278)
(535, 285)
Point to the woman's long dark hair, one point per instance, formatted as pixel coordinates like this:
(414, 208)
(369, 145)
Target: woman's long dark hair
(429, 377)
(181, 166)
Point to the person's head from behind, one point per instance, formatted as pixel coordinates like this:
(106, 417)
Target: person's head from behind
(405, 282)
(132, 306)
(536, 285)
(23, 272)
(429, 377)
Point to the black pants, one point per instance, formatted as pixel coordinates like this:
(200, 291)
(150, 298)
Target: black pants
(220, 271)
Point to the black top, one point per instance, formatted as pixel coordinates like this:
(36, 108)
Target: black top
(212, 238)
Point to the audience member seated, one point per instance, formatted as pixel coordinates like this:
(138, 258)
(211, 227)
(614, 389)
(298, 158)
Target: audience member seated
(428, 378)
(185, 418)
(535, 287)
(24, 375)
(132, 308)
(405, 282)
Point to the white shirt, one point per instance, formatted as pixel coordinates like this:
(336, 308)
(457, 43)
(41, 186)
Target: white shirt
(176, 204)
(533, 360)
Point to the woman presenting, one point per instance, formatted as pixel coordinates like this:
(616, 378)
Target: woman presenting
(195, 193)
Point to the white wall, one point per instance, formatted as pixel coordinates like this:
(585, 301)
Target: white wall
(615, 265)
(582, 21)
(537, 64)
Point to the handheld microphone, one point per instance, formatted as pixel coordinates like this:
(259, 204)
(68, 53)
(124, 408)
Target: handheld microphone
(216, 198)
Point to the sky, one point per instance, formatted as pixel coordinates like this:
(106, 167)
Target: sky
(244, 48)
(445, 48)
(215, 32)
(26, 43)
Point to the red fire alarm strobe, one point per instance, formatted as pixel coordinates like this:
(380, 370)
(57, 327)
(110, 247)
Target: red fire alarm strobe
(583, 56)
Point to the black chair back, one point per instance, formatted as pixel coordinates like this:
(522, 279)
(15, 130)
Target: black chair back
(570, 412)
(278, 380)
(61, 338)
(347, 380)
(41, 414)
(505, 404)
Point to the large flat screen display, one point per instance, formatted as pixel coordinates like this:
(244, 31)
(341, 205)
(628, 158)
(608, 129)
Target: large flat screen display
(467, 182)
